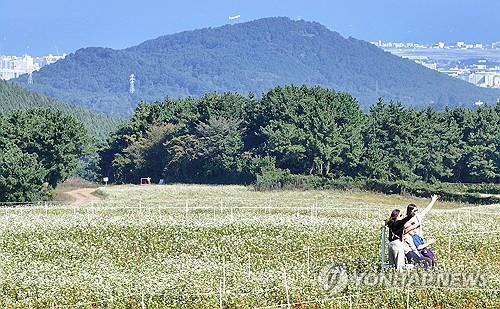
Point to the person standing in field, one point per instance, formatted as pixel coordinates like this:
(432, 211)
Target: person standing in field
(418, 217)
(415, 225)
(396, 225)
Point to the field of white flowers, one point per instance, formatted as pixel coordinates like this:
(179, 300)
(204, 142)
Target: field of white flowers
(231, 247)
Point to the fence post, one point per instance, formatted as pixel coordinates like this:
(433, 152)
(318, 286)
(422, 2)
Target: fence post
(224, 274)
(249, 265)
(407, 298)
(285, 283)
(350, 301)
(449, 246)
(143, 305)
(308, 259)
(382, 248)
(220, 294)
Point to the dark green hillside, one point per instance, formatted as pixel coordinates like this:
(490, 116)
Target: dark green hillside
(247, 57)
(14, 98)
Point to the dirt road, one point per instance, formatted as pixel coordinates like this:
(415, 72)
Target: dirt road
(82, 197)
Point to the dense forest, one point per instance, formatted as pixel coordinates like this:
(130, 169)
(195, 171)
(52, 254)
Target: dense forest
(247, 58)
(38, 149)
(303, 130)
(14, 98)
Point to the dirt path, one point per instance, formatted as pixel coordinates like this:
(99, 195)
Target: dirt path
(82, 197)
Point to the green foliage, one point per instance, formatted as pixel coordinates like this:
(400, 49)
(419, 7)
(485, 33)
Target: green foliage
(248, 57)
(22, 176)
(296, 131)
(36, 147)
(14, 98)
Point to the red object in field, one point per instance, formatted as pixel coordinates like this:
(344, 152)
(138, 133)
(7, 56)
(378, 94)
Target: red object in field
(146, 181)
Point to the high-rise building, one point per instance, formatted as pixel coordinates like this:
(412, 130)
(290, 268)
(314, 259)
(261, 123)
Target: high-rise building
(14, 66)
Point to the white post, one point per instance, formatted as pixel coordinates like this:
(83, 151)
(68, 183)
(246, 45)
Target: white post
(143, 305)
(449, 246)
(220, 294)
(408, 298)
(350, 301)
(285, 283)
(249, 265)
(308, 258)
(224, 274)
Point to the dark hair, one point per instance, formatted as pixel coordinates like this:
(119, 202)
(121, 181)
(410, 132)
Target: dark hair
(394, 215)
(410, 208)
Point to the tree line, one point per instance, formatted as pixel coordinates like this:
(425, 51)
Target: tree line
(38, 149)
(302, 130)
(231, 138)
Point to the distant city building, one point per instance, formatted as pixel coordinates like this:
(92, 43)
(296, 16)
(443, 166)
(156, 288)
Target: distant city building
(482, 72)
(486, 79)
(15, 66)
(429, 65)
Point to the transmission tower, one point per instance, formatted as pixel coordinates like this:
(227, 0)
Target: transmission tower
(30, 78)
(132, 83)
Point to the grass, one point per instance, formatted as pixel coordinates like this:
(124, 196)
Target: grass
(175, 246)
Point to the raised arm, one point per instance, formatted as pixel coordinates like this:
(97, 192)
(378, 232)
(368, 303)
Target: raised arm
(424, 212)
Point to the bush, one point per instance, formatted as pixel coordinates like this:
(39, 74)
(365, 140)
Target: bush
(279, 179)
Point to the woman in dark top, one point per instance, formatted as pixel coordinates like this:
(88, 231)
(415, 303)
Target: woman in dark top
(396, 226)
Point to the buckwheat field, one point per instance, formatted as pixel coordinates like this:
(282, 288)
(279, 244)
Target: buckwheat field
(232, 247)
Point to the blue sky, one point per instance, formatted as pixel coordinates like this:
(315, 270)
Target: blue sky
(40, 27)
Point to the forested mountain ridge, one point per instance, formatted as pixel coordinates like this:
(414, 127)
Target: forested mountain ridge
(14, 98)
(250, 57)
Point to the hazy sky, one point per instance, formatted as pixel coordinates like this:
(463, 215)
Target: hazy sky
(44, 26)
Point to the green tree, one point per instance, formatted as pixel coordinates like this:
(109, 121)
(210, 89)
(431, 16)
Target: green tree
(22, 177)
(390, 140)
(58, 141)
(482, 159)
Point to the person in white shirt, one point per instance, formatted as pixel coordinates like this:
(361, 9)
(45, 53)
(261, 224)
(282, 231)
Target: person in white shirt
(418, 217)
(415, 226)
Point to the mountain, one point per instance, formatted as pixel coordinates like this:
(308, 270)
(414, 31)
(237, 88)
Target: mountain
(13, 98)
(247, 57)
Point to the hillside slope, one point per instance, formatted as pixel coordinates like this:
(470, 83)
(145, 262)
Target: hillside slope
(247, 57)
(13, 98)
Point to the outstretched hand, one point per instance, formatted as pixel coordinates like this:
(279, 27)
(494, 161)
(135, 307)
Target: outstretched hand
(434, 197)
